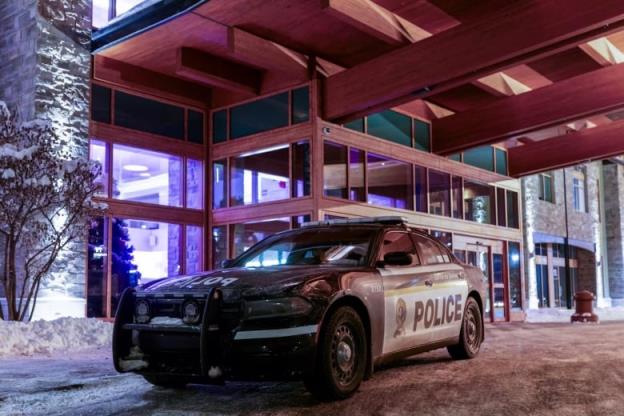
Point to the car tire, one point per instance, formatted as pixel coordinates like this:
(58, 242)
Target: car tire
(471, 333)
(341, 357)
(170, 382)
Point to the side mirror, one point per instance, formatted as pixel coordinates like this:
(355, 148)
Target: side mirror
(397, 258)
(227, 263)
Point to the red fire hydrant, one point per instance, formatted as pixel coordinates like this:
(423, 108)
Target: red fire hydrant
(584, 307)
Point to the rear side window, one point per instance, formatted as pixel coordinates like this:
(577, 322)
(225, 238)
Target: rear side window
(430, 251)
(399, 241)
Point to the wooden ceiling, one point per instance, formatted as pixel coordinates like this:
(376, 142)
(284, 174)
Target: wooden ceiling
(463, 64)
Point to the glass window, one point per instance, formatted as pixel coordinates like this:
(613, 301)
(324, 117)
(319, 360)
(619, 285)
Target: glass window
(501, 212)
(145, 176)
(541, 249)
(357, 188)
(219, 126)
(391, 126)
(327, 246)
(142, 251)
(443, 237)
(541, 272)
(420, 188)
(219, 246)
(298, 220)
(125, 5)
(430, 252)
(301, 169)
(100, 13)
(195, 127)
(578, 192)
(147, 115)
(439, 193)
(97, 268)
(422, 135)
(261, 176)
(479, 202)
(515, 278)
(301, 105)
(219, 184)
(258, 116)
(335, 170)
(456, 157)
(457, 197)
(248, 234)
(389, 182)
(194, 249)
(501, 161)
(97, 152)
(558, 250)
(481, 157)
(100, 103)
(513, 220)
(397, 241)
(194, 184)
(546, 192)
(357, 125)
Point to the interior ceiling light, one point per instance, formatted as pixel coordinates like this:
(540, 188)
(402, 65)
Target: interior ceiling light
(145, 174)
(136, 168)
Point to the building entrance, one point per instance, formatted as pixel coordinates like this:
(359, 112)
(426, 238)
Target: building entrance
(489, 256)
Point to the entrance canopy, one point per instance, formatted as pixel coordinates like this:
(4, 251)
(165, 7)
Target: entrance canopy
(544, 78)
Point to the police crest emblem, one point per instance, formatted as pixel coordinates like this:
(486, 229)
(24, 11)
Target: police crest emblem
(401, 316)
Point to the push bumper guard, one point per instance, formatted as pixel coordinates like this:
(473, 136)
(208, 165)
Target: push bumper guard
(208, 352)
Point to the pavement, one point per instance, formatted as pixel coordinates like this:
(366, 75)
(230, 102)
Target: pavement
(523, 369)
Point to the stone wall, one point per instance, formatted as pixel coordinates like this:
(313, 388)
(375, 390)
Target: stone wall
(18, 48)
(614, 217)
(44, 74)
(549, 218)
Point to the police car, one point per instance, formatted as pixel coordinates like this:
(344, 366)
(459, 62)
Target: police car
(326, 303)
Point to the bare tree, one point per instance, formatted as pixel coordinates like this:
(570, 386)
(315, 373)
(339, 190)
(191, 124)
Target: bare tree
(45, 202)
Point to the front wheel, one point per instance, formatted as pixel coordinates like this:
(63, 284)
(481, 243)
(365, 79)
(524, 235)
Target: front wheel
(342, 355)
(471, 333)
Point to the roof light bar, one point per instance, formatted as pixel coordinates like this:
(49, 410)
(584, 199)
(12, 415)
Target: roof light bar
(390, 219)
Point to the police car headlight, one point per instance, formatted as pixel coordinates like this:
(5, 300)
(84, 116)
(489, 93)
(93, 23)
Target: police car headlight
(280, 307)
(190, 312)
(142, 312)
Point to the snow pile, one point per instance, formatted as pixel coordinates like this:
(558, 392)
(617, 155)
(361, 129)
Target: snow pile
(563, 315)
(45, 337)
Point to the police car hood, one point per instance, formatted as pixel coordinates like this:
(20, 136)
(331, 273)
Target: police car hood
(241, 281)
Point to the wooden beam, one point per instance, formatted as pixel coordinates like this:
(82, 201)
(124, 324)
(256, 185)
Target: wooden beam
(517, 32)
(218, 72)
(588, 94)
(267, 54)
(569, 149)
(371, 18)
(151, 82)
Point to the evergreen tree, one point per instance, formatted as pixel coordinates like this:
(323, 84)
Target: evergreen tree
(124, 271)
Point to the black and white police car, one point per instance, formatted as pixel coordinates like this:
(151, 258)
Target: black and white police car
(325, 303)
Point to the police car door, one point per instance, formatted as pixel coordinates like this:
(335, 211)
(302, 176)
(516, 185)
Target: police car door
(404, 286)
(443, 307)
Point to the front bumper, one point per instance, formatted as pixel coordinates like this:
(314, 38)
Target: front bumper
(211, 351)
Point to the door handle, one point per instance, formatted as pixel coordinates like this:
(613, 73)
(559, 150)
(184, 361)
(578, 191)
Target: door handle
(428, 283)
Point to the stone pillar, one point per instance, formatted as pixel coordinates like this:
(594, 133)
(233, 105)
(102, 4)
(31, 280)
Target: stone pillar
(45, 73)
(614, 217)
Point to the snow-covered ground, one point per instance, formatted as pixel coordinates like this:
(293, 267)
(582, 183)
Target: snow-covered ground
(523, 369)
(545, 315)
(46, 337)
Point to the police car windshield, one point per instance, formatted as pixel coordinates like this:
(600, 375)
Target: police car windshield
(339, 246)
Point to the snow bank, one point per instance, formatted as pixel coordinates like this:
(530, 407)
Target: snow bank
(45, 337)
(563, 315)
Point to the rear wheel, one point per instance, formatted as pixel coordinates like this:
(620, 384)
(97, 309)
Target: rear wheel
(471, 333)
(170, 382)
(341, 357)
